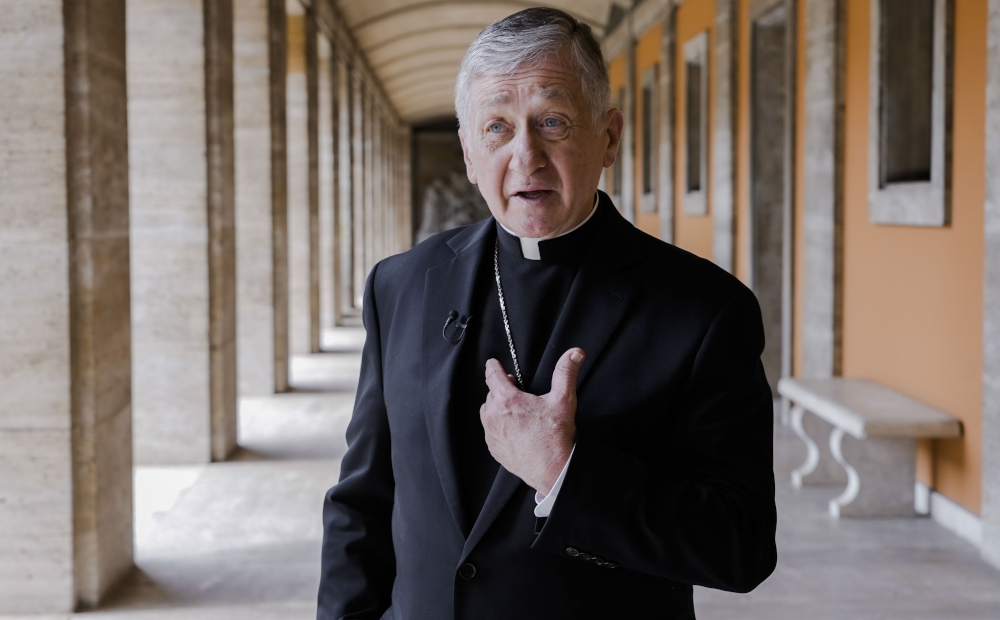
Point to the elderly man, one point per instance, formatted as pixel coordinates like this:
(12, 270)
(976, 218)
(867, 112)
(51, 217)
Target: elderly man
(558, 415)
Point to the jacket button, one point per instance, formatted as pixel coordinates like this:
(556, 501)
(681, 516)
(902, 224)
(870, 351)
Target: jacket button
(467, 570)
(572, 552)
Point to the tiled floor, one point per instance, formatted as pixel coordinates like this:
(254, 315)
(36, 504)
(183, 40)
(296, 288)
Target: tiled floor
(240, 540)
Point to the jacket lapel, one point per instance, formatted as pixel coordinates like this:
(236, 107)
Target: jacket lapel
(448, 287)
(597, 301)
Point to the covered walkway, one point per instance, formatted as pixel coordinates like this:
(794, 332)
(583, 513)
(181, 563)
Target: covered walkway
(192, 193)
(240, 540)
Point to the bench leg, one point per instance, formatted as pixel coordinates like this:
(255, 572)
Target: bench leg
(819, 467)
(881, 473)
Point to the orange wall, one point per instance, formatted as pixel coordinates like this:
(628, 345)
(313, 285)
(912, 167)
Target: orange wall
(647, 54)
(798, 247)
(693, 233)
(742, 200)
(913, 296)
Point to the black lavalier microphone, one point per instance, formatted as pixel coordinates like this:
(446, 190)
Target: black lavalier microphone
(457, 330)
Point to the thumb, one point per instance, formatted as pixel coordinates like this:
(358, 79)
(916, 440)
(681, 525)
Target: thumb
(565, 373)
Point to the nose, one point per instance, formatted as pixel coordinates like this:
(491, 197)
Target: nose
(529, 153)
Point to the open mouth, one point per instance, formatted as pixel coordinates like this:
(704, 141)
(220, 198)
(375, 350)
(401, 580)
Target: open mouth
(534, 195)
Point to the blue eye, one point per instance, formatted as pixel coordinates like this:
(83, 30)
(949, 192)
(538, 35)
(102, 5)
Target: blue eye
(496, 128)
(551, 122)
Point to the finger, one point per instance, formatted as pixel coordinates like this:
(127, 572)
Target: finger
(496, 378)
(565, 373)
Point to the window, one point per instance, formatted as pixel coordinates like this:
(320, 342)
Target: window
(696, 124)
(907, 143)
(648, 102)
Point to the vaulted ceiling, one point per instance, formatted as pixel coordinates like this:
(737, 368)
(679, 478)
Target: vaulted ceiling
(414, 46)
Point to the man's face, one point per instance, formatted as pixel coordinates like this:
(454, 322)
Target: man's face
(531, 146)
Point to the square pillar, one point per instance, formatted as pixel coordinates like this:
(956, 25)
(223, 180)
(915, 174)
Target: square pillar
(344, 128)
(65, 379)
(327, 179)
(991, 302)
(358, 160)
(368, 103)
(183, 237)
(255, 203)
(723, 170)
(301, 181)
(822, 275)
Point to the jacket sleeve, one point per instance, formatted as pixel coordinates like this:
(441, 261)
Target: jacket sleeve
(358, 560)
(709, 517)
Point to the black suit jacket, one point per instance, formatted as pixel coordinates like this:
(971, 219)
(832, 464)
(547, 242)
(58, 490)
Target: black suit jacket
(671, 483)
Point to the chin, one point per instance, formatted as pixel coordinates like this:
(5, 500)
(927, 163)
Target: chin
(534, 226)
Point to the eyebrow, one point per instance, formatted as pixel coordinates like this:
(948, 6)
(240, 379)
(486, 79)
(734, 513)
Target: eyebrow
(503, 98)
(497, 100)
(555, 93)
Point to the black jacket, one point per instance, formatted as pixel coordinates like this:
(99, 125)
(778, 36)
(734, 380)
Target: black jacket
(670, 485)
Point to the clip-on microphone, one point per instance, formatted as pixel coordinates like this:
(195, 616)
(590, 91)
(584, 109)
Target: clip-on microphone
(452, 321)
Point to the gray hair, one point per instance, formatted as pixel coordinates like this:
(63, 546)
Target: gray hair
(527, 38)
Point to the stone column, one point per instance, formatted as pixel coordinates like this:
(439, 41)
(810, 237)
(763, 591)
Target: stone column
(823, 213)
(327, 167)
(723, 169)
(254, 201)
(627, 148)
(991, 309)
(407, 189)
(300, 183)
(277, 51)
(358, 182)
(65, 378)
(369, 179)
(183, 239)
(312, 128)
(667, 98)
(378, 184)
(392, 208)
(345, 206)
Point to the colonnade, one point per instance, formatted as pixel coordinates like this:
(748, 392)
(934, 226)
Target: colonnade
(193, 191)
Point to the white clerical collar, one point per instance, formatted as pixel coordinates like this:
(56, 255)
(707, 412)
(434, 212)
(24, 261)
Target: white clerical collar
(529, 246)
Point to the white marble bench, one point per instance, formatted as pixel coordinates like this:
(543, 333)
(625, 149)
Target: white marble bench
(879, 454)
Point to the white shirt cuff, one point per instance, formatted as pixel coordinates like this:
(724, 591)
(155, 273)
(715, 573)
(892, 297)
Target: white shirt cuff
(544, 503)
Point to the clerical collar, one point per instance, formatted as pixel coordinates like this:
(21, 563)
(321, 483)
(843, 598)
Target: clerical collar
(555, 248)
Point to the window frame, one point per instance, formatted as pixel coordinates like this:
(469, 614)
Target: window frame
(911, 203)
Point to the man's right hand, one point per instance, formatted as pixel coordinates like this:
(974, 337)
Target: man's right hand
(532, 436)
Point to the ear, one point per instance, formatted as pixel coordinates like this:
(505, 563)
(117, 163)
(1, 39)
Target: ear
(615, 126)
(470, 168)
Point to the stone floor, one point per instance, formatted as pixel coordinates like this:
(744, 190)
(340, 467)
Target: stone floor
(240, 540)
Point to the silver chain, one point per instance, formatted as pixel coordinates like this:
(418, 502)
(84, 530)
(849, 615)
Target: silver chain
(503, 311)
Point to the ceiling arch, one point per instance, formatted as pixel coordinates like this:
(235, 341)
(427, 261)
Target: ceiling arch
(414, 46)
(430, 57)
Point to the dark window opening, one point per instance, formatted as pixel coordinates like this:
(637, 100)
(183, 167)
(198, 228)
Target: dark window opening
(694, 129)
(907, 77)
(647, 138)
